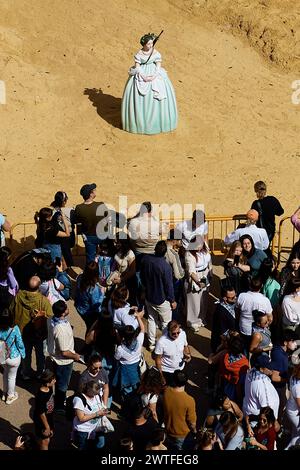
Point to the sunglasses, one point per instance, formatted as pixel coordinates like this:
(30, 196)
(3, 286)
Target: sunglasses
(175, 333)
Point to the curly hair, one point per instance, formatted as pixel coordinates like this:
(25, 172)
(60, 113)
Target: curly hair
(151, 382)
(147, 37)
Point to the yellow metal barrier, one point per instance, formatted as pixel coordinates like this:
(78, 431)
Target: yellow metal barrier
(22, 235)
(287, 236)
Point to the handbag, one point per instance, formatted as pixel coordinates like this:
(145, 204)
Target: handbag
(104, 425)
(143, 364)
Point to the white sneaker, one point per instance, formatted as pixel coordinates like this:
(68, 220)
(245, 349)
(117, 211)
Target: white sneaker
(10, 399)
(4, 395)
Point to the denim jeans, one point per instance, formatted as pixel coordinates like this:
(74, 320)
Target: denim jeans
(55, 250)
(91, 243)
(83, 443)
(30, 342)
(63, 375)
(178, 444)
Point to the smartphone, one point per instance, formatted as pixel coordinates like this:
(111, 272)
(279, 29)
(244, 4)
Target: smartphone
(140, 308)
(236, 259)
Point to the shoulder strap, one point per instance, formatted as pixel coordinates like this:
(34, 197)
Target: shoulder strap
(260, 214)
(8, 335)
(83, 399)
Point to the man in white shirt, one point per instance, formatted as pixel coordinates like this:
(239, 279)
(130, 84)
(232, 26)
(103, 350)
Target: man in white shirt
(171, 351)
(191, 228)
(259, 391)
(61, 350)
(259, 235)
(246, 303)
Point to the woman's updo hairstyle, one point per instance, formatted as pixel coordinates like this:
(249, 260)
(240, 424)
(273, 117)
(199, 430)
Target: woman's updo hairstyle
(147, 37)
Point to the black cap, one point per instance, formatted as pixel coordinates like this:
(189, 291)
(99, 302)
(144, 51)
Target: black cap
(261, 361)
(87, 189)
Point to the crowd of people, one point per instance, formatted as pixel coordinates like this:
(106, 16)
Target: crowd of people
(140, 291)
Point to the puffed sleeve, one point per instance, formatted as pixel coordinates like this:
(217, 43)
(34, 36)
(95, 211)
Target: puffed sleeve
(137, 58)
(157, 57)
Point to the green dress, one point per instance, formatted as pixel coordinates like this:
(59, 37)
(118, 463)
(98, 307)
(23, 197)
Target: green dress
(148, 107)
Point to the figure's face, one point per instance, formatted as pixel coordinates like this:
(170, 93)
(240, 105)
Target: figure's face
(95, 367)
(247, 245)
(238, 251)
(174, 333)
(230, 297)
(226, 404)
(291, 345)
(148, 46)
(262, 419)
(263, 322)
(295, 264)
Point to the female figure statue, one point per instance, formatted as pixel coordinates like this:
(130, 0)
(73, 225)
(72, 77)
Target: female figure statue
(149, 103)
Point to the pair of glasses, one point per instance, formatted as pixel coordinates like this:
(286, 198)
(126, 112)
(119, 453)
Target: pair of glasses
(175, 333)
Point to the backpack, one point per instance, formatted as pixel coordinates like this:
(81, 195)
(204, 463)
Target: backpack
(4, 349)
(70, 411)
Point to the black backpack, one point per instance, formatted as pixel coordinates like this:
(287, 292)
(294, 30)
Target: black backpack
(70, 412)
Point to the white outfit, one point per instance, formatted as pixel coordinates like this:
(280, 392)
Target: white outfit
(144, 232)
(291, 311)
(158, 315)
(259, 392)
(158, 85)
(259, 236)
(127, 356)
(121, 316)
(188, 232)
(197, 298)
(10, 369)
(246, 303)
(60, 338)
(2, 236)
(171, 351)
(50, 289)
(95, 405)
(124, 263)
(292, 409)
(149, 399)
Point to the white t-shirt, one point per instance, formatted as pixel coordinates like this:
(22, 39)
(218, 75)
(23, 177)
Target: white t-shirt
(149, 398)
(171, 351)
(50, 289)
(123, 263)
(259, 392)
(95, 405)
(122, 318)
(60, 338)
(291, 311)
(291, 404)
(247, 302)
(188, 232)
(2, 236)
(126, 356)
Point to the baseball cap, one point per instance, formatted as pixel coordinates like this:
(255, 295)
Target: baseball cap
(87, 189)
(261, 361)
(252, 215)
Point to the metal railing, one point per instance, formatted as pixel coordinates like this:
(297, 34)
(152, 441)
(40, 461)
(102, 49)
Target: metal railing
(287, 236)
(22, 235)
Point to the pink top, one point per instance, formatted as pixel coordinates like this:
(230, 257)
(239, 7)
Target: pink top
(296, 221)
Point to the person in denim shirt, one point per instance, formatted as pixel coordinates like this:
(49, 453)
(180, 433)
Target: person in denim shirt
(89, 294)
(12, 337)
